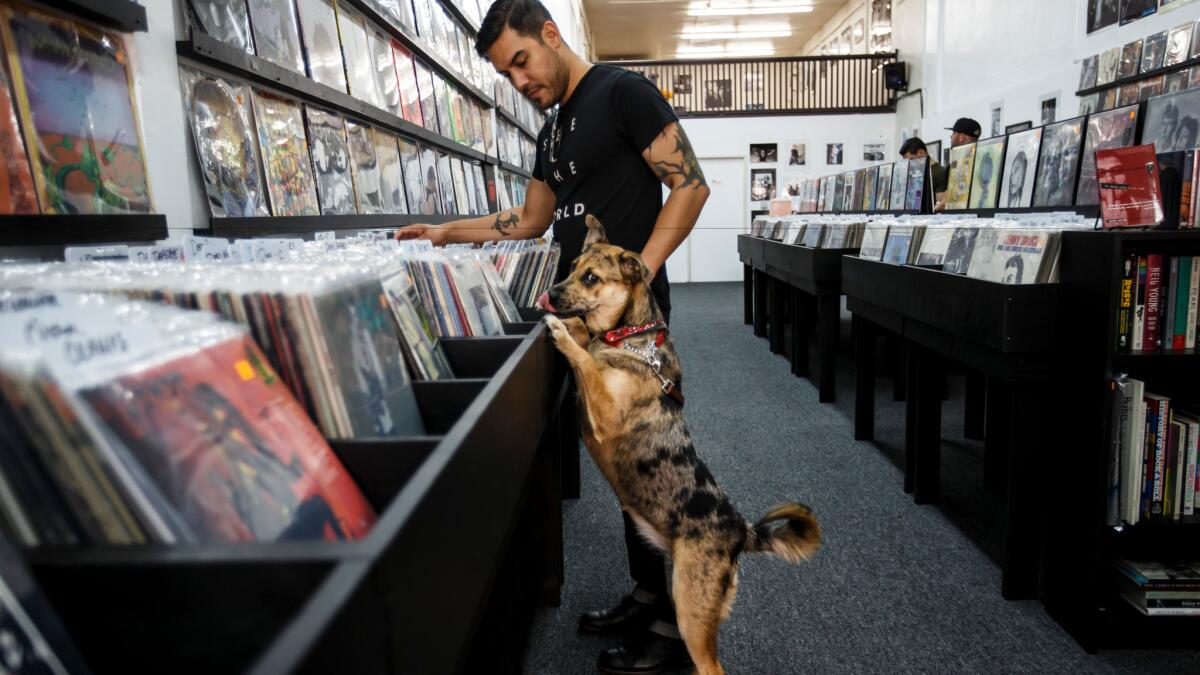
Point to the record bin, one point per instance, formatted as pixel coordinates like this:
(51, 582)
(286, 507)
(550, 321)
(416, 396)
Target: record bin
(469, 539)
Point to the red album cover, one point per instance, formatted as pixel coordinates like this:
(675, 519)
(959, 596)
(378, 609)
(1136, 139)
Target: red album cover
(1130, 194)
(227, 444)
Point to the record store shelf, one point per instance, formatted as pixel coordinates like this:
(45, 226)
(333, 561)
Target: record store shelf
(421, 48)
(512, 119)
(306, 226)
(70, 230)
(1134, 79)
(513, 168)
(465, 544)
(214, 53)
(461, 17)
(122, 15)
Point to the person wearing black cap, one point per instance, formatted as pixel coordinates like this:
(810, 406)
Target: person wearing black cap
(965, 130)
(938, 175)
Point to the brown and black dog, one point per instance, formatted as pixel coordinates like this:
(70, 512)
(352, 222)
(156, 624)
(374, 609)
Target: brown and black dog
(635, 431)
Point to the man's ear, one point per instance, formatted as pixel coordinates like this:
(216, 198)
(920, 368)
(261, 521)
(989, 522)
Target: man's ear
(632, 267)
(595, 233)
(550, 34)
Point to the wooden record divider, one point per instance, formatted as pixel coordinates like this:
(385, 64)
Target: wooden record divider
(799, 284)
(468, 541)
(1007, 332)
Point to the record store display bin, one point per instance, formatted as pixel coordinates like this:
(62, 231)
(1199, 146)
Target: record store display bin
(469, 538)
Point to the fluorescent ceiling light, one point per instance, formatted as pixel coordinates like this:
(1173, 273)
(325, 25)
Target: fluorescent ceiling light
(750, 11)
(735, 34)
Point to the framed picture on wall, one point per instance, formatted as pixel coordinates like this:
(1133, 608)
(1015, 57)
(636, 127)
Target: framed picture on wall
(718, 94)
(1101, 14)
(997, 114)
(833, 154)
(874, 152)
(683, 84)
(762, 185)
(1019, 126)
(860, 32)
(797, 154)
(764, 153)
(1049, 108)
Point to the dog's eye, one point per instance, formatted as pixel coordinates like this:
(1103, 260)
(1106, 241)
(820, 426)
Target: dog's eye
(590, 279)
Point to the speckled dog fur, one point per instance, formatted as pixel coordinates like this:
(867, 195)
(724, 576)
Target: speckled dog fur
(637, 436)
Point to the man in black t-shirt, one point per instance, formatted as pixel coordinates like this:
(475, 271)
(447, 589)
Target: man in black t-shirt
(606, 151)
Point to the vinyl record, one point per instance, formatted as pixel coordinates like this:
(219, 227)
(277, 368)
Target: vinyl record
(429, 111)
(1105, 130)
(406, 74)
(322, 48)
(331, 161)
(360, 65)
(1058, 164)
(414, 178)
(431, 200)
(1020, 161)
(446, 185)
(225, 145)
(285, 155)
(277, 33)
(225, 20)
(385, 71)
(364, 167)
(985, 180)
(17, 192)
(391, 175)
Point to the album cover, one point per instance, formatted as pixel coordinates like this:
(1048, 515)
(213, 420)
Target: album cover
(1172, 121)
(1153, 50)
(833, 154)
(962, 166)
(322, 48)
(424, 19)
(1128, 93)
(472, 195)
(421, 349)
(1109, 65)
(1009, 256)
(224, 441)
(225, 20)
(870, 179)
(1110, 100)
(277, 33)
(384, 69)
(1020, 160)
(1102, 14)
(431, 201)
(364, 167)
(1131, 59)
(399, 12)
(958, 252)
(1130, 191)
(883, 188)
(443, 107)
(1194, 73)
(285, 155)
(1105, 130)
(331, 161)
(935, 240)
(445, 180)
(1176, 81)
(852, 197)
(1194, 52)
(454, 110)
(459, 177)
(899, 240)
(226, 146)
(414, 178)
(874, 152)
(718, 94)
(1132, 10)
(985, 180)
(1058, 165)
(1150, 88)
(1087, 72)
(17, 193)
(74, 93)
(874, 238)
(360, 63)
(391, 176)
(478, 140)
(1089, 104)
(1179, 42)
(917, 169)
(429, 111)
(762, 184)
(367, 364)
(481, 188)
(408, 95)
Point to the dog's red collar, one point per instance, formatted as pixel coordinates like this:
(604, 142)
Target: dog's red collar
(616, 336)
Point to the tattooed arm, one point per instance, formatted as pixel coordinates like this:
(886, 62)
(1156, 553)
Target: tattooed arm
(671, 158)
(529, 220)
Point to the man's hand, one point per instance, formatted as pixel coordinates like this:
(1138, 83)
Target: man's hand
(438, 234)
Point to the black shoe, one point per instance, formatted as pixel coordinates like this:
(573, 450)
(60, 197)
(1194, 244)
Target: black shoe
(628, 613)
(645, 653)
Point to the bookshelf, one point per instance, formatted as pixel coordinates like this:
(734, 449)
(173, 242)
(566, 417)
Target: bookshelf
(1080, 589)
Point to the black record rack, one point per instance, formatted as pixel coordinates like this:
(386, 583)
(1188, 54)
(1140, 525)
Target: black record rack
(125, 16)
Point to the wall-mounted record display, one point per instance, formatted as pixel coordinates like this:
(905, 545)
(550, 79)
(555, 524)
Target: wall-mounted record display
(285, 156)
(1173, 121)
(226, 144)
(383, 63)
(360, 65)
(985, 181)
(331, 161)
(1020, 161)
(277, 33)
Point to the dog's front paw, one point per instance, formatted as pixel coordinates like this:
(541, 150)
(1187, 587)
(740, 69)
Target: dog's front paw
(558, 332)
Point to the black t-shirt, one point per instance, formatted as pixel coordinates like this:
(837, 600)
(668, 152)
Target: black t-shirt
(590, 154)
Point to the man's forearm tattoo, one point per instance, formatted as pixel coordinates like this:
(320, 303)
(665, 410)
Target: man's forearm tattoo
(682, 162)
(504, 222)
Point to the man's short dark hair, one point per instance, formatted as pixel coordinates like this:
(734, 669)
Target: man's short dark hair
(912, 146)
(526, 17)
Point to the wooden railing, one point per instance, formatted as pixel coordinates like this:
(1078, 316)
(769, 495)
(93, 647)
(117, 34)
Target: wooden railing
(773, 86)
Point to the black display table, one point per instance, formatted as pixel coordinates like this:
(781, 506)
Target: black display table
(1005, 332)
(784, 280)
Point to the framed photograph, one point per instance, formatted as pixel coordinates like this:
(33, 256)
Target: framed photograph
(764, 153)
(874, 152)
(796, 154)
(934, 150)
(1173, 121)
(1102, 14)
(833, 154)
(1049, 108)
(1058, 166)
(997, 115)
(762, 185)
(718, 94)
(683, 84)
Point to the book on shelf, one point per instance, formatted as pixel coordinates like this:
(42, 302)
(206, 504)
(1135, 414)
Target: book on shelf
(1157, 303)
(1152, 467)
(1157, 588)
(1130, 191)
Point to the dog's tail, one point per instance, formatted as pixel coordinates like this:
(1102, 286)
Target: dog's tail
(794, 541)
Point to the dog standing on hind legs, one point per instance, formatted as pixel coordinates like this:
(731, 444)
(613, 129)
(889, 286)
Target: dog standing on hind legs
(605, 322)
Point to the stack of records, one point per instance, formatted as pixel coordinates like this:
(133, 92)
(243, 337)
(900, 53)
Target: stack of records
(455, 292)
(128, 422)
(1160, 589)
(758, 226)
(527, 267)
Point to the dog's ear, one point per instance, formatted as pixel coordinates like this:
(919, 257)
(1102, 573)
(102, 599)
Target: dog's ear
(595, 233)
(632, 267)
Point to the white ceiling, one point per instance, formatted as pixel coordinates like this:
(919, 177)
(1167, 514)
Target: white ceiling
(650, 29)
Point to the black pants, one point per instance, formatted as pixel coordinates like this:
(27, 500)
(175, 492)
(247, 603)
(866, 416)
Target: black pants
(647, 566)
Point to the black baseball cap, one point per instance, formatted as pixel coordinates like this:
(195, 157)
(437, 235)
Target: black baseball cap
(968, 126)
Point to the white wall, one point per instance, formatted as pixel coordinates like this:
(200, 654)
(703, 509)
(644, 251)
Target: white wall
(572, 21)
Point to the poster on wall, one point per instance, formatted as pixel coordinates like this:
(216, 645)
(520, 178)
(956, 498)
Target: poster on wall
(833, 154)
(874, 152)
(764, 153)
(792, 182)
(762, 184)
(718, 93)
(881, 26)
(796, 154)
(1049, 108)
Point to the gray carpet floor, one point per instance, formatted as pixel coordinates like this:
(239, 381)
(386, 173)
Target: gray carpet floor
(896, 588)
